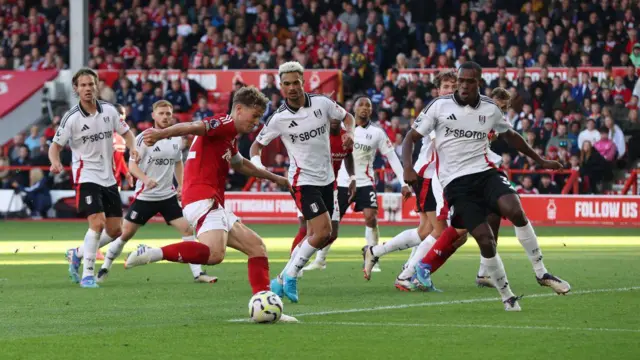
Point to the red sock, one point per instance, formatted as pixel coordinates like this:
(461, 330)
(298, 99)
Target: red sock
(442, 249)
(191, 252)
(302, 233)
(259, 274)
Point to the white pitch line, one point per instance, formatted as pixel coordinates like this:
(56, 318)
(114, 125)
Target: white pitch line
(474, 326)
(449, 302)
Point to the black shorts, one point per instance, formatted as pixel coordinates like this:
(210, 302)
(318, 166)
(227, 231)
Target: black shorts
(365, 198)
(314, 200)
(94, 199)
(473, 197)
(142, 210)
(425, 201)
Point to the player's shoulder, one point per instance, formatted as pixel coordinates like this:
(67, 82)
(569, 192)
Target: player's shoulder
(318, 100)
(108, 107)
(487, 101)
(439, 101)
(70, 116)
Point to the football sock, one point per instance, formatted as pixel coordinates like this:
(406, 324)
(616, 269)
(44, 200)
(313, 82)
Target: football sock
(104, 240)
(115, 249)
(301, 258)
(499, 276)
(259, 274)
(321, 256)
(291, 260)
(302, 233)
(527, 237)
(90, 246)
(421, 250)
(442, 249)
(371, 235)
(413, 251)
(482, 271)
(191, 252)
(196, 269)
(404, 240)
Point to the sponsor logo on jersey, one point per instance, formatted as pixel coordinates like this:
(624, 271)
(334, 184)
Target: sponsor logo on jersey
(85, 127)
(317, 113)
(482, 119)
(363, 147)
(308, 135)
(156, 149)
(97, 137)
(293, 124)
(469, 134)
(161, 161)
(452, 117)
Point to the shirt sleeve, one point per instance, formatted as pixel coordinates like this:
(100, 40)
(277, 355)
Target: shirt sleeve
(219, 127)
(120, 125)
(269, 132)
(427, 120)
(178, 143)
(141, 148)
(63, 134)
(501, 125)
(384, 144)
(335, 111)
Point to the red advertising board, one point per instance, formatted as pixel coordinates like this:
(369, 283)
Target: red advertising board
(18, 86)
(561, 210)
(222, 81)
(492, 73)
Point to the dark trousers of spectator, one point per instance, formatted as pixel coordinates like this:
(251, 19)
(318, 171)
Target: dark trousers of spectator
(38, 202)
(633, 150)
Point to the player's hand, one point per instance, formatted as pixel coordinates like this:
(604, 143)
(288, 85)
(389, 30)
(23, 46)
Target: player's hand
(179, 193)
(151, 136)
(129, 179)
(56, 168)
(551, 165)
(406, 192)
(283, 182)
(134, 156)
(352, 191)
(150, 183)
(347, 140)
(410, 176)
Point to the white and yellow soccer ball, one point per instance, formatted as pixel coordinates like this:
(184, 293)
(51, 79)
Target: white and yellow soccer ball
(265, 307)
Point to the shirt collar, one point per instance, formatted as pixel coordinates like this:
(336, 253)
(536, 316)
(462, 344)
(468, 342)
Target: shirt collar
(85, 113)
(456, 98)
(307, 103)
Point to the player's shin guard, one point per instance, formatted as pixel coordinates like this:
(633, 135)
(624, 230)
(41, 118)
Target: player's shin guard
(90, 246)
(191, 252)
(302, 233)
(372, 236)
(115, 249)
(421, 250)
(495, 267)
(300, 259)
(259, 274)
(527, 238)
(104, 239)
(404, 240)
(442, 249)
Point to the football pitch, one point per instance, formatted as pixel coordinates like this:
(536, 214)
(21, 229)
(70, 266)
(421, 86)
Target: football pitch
(158, 312)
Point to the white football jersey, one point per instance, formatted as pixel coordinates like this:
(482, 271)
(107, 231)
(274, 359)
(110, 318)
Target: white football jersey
(90, 137)
(159, 163)
(367, 141)
(425, 165)
(305, 134)
(462, 132)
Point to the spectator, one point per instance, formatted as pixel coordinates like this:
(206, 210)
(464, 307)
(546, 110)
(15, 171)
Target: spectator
(545, 134)
(33, 141)
(561, 138)
(177, 98)
(605, 146)
(593, 167)
(4, 174)
(589, 134)
(527, 187)
(106, 93)
(616, 135)
(140, 109)
(18, 142)
(21, 176)
(36, 195)
(39, 154)
(270, 88)
(125, 95)
(203, 110)
(547, 186)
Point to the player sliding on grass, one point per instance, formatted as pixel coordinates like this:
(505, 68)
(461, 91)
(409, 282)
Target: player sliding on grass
(155, 192)
(213, 151)
(302, 124)
(88, 127)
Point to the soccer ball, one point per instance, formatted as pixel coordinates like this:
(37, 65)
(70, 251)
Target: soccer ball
(265, 307)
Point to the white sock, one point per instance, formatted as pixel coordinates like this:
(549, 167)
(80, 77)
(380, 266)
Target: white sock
(499, 276)
(156, 254)
(90, 246)
(420, 253)
(371, 235)
(303, 254)
(104, 240)
(321, 255)
(483, 271)
(527, 237)
(413, 251)
(292, 258)
(115, 249)
(196, 269)
(404, 240)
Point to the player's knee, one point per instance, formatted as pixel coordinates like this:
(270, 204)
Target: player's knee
(517, 217)
(371, 221)
(114, 232)
(187, 232)
(215, 257)
(97, 224)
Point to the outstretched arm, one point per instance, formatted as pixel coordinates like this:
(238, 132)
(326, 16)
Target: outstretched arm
(153, 135)
(517, 142)
(246, 167)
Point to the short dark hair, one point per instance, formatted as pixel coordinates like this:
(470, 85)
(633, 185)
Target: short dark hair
(445, 76)
(84, 72)
(472, 65)
(251, 97)
(357, 98)
(120, 108)
(604, 130)
(500, 94)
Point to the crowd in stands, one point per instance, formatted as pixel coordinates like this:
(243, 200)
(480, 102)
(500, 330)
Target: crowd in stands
(585, 122)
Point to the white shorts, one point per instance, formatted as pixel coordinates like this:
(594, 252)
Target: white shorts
(203, 218)
(335, 216)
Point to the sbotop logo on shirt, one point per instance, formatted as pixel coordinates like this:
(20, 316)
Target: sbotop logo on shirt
(161, 161)
(363, 147)
(97, 137)
(461, 133)
(308, 135)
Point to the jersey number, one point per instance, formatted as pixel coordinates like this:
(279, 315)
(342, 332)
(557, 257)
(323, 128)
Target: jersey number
(507, 182)
(192, 154)
(373, 199)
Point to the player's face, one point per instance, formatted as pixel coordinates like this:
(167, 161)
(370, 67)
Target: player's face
(468, 83)
(291, 85)
(86, 87)
(363, 108)
(502, 104)
(247, 118)
(447, 87)
(162, 116)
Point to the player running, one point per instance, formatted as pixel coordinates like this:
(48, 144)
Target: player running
(155, 192)
(301, 123)
(89, 128)
(472, 185)
(338, 154)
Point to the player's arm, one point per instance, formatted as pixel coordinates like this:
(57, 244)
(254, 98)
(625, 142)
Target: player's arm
(349, 164)
(179, 172)
(336, 111)
(422, 126)
(246, 167)
(130, 142)
(59, 141)
(517, 142)
(269, 132)
(135, 170)
(387, 150)
(198, 128)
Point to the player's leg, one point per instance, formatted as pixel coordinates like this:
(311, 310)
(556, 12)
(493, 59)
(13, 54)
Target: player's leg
(321, 256)
(129, 229)
(511, 208)
(182, 225)
(302, 231)
(482, 278)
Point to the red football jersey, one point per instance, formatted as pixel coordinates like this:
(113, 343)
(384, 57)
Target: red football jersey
(120, 168)
(338, 152)
(207, 166)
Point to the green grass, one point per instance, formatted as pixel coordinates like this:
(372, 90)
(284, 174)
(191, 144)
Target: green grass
(157, 312)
